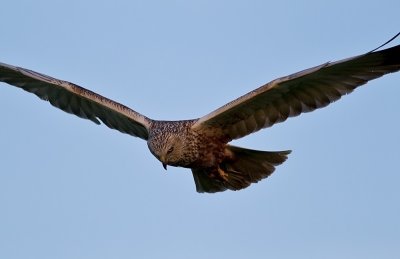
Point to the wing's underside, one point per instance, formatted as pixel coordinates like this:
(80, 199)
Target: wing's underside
(301, 92)
(77, 100)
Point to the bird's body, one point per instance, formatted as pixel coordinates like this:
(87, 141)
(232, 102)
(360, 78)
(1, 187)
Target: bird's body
(202, 144)
(177, 143)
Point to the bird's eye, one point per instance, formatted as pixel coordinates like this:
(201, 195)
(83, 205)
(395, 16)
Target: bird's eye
(170, 150)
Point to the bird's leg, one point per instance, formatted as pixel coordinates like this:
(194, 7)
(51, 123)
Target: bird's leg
(218, 174)
(222, 175)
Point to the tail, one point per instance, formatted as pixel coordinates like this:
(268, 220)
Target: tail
(241, 168)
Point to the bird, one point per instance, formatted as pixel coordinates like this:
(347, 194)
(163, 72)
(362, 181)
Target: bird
(202, 144)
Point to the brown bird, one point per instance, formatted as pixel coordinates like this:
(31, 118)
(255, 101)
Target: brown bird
(202, 144)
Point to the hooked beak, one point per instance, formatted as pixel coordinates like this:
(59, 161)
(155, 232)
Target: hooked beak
(164, 163)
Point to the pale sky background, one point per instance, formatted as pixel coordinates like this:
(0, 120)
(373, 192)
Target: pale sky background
(72, 189)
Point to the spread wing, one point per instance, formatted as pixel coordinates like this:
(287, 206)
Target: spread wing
(77, 100)
(301, 92)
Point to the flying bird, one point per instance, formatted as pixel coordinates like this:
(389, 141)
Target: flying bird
(202, 144)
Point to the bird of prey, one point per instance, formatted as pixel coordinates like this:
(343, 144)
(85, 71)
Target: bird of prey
(202, 144)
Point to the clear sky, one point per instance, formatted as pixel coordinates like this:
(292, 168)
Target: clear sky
(72, 189)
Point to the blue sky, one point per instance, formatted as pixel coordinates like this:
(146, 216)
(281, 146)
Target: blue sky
(72, 189)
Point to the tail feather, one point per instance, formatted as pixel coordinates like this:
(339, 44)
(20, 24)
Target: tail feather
(240, 169)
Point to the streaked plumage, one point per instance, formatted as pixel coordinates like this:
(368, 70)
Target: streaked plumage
(202, 144)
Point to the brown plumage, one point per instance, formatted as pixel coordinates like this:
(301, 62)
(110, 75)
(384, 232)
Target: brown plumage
(202, 144)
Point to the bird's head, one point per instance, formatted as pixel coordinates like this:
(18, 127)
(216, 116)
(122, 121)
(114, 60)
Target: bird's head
(168, 148)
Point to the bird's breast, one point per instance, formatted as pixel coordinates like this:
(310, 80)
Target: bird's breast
(210, 152)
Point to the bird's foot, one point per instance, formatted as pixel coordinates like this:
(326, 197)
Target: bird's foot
(222, 174)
